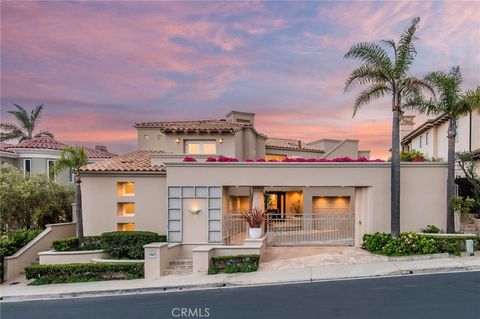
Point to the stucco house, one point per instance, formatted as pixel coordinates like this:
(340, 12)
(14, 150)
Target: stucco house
(196, 203)
(37, 156)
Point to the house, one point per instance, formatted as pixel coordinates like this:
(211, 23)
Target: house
(196, 202)
(37, 156)
(430, 137)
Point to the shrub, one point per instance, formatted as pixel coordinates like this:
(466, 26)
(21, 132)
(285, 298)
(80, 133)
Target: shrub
(128, 244)
(431, 229)
(413, 156)
(211, 159)
(189, 159)
(416, 244)
(233, 264)
(227, 159)
(72, 244)
(60, 273)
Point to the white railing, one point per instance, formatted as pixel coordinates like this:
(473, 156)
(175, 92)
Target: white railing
(234, 229)
(332, 229)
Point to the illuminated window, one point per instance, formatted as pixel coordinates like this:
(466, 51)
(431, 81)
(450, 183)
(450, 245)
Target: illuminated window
(126, 189)
(146, 137)
(126, 209)
(125, 226)
(275, 157)
(200, 147)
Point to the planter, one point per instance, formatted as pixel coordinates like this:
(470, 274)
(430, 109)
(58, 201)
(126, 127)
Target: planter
(255, 232)
(69, 257)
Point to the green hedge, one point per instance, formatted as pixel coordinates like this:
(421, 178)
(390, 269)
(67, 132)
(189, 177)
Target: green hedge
(72, 244)
(233, 264)
(129, 244)
(416, 244)
(48, 274)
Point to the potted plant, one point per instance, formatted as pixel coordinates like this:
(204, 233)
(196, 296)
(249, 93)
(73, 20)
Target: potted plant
(461, 209)
(255, 218)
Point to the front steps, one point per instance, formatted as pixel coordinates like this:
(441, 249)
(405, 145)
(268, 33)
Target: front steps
(181, 266)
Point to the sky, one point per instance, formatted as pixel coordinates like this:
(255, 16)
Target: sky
(100, 66)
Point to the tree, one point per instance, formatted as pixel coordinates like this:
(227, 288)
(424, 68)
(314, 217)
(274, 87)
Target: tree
(74, 158)
(387, 74)
(453, 103)
(25, 127)
(30, 202)
(466, 162)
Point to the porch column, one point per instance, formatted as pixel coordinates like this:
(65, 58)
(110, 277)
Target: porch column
(258, 200)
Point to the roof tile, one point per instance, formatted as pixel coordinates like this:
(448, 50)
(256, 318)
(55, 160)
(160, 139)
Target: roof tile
(138, 161)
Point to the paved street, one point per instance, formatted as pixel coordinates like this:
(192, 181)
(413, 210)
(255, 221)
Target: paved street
(454, 295)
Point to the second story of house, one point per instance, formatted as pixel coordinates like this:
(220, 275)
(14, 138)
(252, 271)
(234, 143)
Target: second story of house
(234, 136)
(430, 137)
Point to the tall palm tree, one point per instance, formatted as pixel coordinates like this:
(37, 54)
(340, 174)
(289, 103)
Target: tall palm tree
(455, 104)
(25, 127)
(385, 71)
(74, 158)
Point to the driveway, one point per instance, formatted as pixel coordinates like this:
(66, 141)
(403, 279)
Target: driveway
(304, 256)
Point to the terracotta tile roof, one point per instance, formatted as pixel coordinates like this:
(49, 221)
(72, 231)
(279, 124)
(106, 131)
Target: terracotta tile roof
(289, 144)
(138, 161)
(195, 126)
(93, 153)
(5, 147)
(46, 143)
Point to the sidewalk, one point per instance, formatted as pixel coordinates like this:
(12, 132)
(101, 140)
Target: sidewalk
(22, 291)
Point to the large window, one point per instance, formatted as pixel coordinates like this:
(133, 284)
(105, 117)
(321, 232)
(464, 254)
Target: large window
(125, 209)
(27, 167)
(126, 189)
(200, 147)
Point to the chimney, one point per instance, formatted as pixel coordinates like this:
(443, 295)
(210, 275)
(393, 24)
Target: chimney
(244, 118)
(406, 125)
(299, 144)
(102, 148)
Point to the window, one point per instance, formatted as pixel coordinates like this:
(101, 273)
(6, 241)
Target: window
(50, 170)
(275, 157)
(71, 177)
(27, 167)
(427, 137)
(146, 137)
(126, 209)
(421, 140)
(125, 189)
(125, 226)
(200, 147)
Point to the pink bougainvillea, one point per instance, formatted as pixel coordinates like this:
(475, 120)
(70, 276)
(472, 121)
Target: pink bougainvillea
(345, 159)
(189, 159)
(227, 159)
(249, 160)
(260, 160)
(418, 159)
(211, 159)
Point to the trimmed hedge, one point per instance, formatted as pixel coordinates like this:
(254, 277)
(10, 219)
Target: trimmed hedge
(416, 244)
(62, 273)
(72, 244)
(233, 264)
(128, 244)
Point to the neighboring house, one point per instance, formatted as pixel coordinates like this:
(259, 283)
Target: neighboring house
(37, 156)
(430, 137)
(196, 203)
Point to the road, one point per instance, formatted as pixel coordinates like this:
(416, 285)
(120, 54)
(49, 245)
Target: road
(454, 295)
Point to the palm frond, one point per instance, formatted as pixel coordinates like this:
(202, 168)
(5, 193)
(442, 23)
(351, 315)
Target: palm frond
(391, 44)
(71, 157)
(36, 112)
(22, 117)
(473, 97)
(44, 133)
(366, 74)
(374, 92)
(406, 50)
(371, 54)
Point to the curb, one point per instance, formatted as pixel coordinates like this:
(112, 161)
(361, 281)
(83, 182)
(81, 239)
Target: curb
(118, 292)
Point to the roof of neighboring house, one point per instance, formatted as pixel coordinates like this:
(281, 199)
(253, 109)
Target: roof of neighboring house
(138, 161)
(5, 147)
(289, 144)
(425, 127)
(49, 143)
(194, 126)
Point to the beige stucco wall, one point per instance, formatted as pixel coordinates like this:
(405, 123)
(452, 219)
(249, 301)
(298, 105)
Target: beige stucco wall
(293, 153)
(100, 199)
(346, 148)
(423, 187)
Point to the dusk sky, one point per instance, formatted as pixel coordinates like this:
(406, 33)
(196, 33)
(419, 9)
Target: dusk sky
(99, 67)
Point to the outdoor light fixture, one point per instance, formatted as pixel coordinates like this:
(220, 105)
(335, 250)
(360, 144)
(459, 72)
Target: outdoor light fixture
(194, 210)
(220, 140)
(177, 140)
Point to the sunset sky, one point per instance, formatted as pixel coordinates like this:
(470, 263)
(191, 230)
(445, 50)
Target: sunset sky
(99, 67)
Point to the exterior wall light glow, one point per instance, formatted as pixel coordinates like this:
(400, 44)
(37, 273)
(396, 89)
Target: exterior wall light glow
(177, 140)
(194, 211)
(220, 140)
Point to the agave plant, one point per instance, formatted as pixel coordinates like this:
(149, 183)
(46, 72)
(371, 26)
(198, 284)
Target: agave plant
(254, 217)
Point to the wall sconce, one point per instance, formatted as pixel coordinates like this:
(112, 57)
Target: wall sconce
(194, 211)
(220, 140)
(177, 140)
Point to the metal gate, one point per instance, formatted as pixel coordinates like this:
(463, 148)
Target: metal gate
(324, 229)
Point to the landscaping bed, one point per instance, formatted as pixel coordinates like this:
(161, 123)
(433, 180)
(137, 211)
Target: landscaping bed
(69, 273)
(417, 244)
(234, 264)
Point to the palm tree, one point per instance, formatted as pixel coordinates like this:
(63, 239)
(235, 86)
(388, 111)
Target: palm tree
(74, 158)
(455, 104)
(387, 74)
(25, 127)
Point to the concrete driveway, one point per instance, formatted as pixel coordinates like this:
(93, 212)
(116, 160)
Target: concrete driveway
(305, 256)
